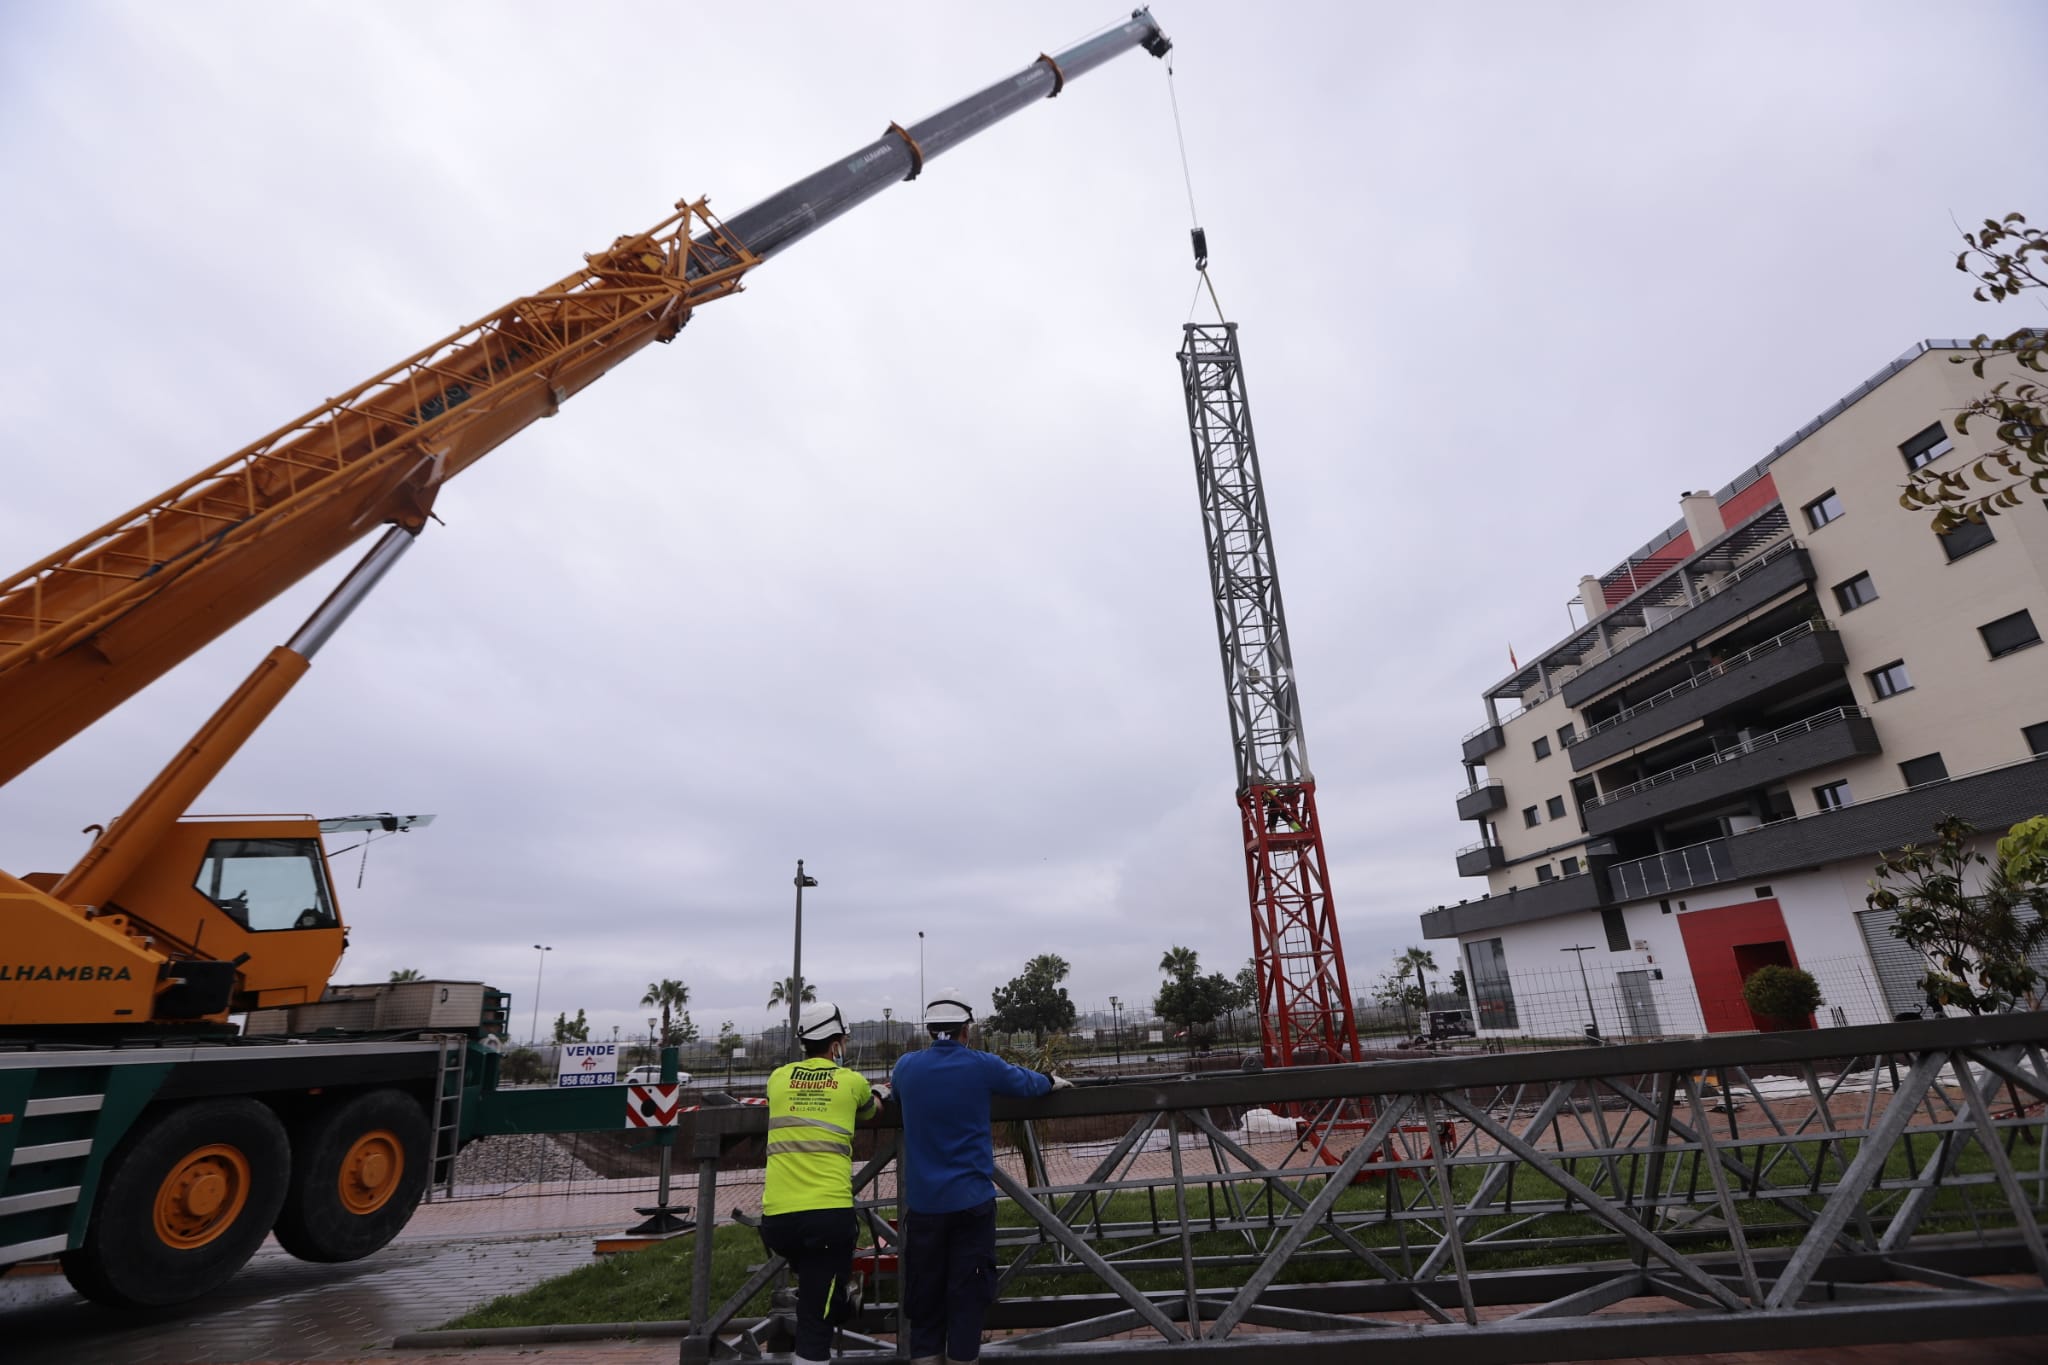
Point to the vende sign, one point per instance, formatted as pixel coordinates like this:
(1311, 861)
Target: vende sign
(587, 1064)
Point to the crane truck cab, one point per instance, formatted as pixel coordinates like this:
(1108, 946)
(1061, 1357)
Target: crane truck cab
(240, 915)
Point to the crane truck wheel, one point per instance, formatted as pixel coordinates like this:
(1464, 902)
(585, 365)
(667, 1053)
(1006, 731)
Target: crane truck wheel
(358, 1170)
(183, 1204)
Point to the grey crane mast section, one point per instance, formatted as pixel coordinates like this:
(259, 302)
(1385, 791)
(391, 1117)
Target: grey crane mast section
(1251, 625)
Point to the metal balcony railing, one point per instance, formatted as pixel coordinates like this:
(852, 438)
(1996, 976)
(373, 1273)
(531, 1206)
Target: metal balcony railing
(1750, 746)
(1676, 869)
(1748, 656)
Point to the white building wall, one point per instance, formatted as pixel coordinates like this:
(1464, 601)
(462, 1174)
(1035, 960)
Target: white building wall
(1819, 909)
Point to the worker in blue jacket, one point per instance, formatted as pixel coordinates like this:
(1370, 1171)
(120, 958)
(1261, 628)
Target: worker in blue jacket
(949, 1181)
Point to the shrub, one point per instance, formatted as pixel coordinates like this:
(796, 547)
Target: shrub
(1785, 994)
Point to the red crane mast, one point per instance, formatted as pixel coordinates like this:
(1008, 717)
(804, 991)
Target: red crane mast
(1305, 1012)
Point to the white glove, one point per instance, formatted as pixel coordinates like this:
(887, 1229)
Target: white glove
(883, 1094)
(1059, 1082)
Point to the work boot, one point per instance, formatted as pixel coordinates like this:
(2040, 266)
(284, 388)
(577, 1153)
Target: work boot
(783, 1298)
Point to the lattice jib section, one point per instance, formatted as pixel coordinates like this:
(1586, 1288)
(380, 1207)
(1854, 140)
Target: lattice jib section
(407, 428)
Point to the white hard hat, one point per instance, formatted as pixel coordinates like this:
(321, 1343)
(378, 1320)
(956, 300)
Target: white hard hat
(948, 1008)
(820, 1023)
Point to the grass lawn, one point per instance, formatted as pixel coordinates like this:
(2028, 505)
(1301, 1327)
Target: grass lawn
(1136, 1230)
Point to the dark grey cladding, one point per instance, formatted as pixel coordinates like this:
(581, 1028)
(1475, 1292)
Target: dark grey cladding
(1488, 796)
(1799, 663)
(1563, 896)
(1851, 736)
(1781, 575)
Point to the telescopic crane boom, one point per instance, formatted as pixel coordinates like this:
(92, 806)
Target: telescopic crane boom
(88, 626)
(169, 919)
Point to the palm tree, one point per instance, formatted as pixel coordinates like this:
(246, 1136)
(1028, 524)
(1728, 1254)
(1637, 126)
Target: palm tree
(1417, 960)
(1180, 964)
(670, 995)
(781, 991)
(407, 974)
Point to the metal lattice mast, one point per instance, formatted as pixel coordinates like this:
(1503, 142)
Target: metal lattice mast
(1304, 996)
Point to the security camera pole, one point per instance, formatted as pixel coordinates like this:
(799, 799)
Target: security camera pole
(796, 965)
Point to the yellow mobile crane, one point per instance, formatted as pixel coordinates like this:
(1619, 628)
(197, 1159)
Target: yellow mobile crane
(155, 1171)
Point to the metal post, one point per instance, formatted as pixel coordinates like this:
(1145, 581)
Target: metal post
(1116, 1027)
(796, 966)
(1592, 1016)
(922, 998)
(544, 949)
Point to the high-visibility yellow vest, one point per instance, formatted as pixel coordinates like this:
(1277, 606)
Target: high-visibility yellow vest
(812, 1106)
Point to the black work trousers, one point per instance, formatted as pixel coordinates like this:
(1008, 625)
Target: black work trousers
(818, 1244)
(951, 1280)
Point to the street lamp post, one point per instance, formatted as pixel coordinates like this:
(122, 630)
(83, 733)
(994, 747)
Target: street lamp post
(653, 1053)
(1592, 1017)
(544, 949)
(1116, 1025)
(796, 966)
(888, 1030)
(922, 999)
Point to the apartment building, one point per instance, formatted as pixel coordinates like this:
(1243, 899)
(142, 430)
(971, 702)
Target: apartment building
(1794, 676)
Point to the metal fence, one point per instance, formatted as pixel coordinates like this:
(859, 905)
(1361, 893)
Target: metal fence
(1878, 1183)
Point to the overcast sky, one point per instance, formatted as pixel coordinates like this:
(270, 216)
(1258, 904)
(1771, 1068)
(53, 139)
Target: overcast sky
(894, 562)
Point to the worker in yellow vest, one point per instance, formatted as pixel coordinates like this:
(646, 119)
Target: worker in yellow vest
(807, 1209)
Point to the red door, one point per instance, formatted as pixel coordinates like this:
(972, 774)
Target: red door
(1724, 946)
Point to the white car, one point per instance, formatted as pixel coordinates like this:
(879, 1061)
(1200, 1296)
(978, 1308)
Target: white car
(651, 1075)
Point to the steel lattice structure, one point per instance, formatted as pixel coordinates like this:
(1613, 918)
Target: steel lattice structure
(1304, 995)
(1826, 1187)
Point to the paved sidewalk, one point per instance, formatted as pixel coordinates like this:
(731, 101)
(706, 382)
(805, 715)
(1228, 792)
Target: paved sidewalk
(281, 1309)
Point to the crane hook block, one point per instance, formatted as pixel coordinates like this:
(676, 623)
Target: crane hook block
(1201, 241)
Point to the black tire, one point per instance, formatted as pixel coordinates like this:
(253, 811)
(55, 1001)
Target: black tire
(330, 1213)
(183, 1204)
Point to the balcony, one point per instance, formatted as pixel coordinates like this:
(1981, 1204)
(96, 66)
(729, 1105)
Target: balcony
(1561, 896)
(1776, 571)
(1476, 860)
(1830, 737)
(1805, 654)
(1992, 800)
(1482, 742)
(1480, 800)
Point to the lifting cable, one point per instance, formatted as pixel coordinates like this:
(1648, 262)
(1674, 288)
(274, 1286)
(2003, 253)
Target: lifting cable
(1196, 235)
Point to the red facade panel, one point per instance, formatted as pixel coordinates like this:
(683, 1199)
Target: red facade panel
(1724, 946)
(1749, 501)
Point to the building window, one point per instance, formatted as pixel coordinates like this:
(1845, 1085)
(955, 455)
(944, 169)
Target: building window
(2009, 633)
(1890, 680)
(1855, 593)
(1568, 868)
(1925, 447)
(1488, 975)
(1555, 805)
(1920, 771)
(1531, 817)
(1542, 746)
(1544, 872)
(1833, 796)
(2036, 737)
(1965, 538)
(1617, 930)
(1823, 509)
(1565, 736)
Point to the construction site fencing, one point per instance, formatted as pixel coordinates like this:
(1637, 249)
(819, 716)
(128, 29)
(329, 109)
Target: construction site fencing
(1629, 1000)
(1815, 1186)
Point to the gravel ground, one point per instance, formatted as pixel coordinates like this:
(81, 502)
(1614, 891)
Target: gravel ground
(516, 1159)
